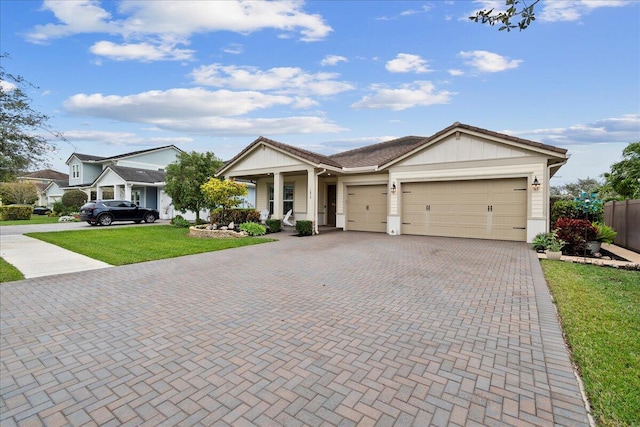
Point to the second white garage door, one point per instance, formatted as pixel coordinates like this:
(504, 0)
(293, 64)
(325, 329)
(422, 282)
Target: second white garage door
(367, 208)
(484, 209)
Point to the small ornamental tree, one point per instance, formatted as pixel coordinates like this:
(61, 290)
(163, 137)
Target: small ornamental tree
(18, 193)
(223, 194)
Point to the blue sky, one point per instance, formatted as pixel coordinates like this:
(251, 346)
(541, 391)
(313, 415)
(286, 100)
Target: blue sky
(327, 76)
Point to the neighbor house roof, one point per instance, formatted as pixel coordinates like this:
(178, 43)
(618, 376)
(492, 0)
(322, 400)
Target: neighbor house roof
(90, 158)
(137, 175)
(46, 174)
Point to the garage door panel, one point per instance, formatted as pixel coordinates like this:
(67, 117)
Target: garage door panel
(367, 208)
(490, 209)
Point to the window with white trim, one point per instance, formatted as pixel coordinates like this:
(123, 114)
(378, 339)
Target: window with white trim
(75, 171)
(287, 198)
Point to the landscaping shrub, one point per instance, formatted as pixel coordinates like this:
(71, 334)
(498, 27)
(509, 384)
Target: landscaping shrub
(253, 228)
(12, 212)
(73, 200)
(566, 209)
(304, 227)
(237, 216)
(576, 233)
(60, 209)
(541, 241)
(273, 225)
(180, 221)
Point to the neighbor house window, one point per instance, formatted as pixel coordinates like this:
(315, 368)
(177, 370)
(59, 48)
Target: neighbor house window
(287, 198)
(75, 171)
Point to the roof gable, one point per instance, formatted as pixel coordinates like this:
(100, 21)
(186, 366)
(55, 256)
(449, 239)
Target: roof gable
(99, 159)
(134, 174)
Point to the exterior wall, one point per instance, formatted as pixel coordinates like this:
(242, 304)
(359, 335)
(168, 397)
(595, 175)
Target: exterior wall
(53, 194)
(88, 172)
(154, 160)
(263, 160)
(300, 189)
(464, 148)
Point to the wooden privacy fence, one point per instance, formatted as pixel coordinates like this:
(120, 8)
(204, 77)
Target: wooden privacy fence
(624, 217)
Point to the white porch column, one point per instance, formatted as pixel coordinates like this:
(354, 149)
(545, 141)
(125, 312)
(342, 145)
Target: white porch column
(127, 192)
(312, 205)
(98, 193)
(277, 196)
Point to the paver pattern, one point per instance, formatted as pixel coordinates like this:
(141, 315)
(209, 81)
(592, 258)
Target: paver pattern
(340, 329)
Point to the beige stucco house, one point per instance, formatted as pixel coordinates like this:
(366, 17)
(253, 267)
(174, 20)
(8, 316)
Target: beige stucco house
(463, 181)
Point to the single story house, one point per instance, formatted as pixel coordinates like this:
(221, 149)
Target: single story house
(43, 180)
(463, 181)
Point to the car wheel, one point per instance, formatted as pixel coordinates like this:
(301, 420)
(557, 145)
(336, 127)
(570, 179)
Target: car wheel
(105, 219)
(149, 218)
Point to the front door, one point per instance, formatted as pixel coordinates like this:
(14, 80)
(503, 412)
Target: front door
(136, 196)
(331, 205)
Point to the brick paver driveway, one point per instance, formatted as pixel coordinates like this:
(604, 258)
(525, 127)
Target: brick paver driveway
(338, 329)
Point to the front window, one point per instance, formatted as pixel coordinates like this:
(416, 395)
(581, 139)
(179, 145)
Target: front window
(75, 171)
(287, 199)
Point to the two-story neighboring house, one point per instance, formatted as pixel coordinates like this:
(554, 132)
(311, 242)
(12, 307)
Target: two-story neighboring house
(138, 176)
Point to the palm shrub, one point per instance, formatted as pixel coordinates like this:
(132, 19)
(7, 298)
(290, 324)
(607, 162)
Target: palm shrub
(604, 233)
(253, 229)
(541, 241)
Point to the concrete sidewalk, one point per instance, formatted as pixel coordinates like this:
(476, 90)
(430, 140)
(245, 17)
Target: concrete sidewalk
(35, 258)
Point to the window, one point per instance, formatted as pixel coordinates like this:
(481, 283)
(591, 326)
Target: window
(287, 199)
(75, 171)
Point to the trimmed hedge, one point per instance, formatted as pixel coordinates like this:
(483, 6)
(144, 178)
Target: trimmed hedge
(12, 212)
(304, 227)
(273, 225)
(237, 216)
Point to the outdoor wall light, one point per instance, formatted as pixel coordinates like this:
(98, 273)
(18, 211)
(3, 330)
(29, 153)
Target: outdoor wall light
(536, 184)
(393, 188)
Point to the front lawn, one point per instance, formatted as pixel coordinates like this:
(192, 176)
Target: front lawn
(129, 245)
(35, 219)
(600, 312)
(8, 273)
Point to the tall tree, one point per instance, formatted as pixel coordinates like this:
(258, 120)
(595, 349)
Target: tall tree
(571, 190)
(515, 8)
(25, 136)
(186, 175)
(21, 193)
(624, 177)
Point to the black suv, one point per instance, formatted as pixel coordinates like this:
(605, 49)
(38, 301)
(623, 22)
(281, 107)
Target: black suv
(104, 212)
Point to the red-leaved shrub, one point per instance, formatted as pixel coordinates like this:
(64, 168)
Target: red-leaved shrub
(576, 233)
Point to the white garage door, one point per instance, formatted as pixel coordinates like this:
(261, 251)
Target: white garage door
(483, 209)
(367, 208)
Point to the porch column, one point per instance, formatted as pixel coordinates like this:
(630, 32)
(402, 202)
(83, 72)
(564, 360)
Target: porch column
(127, 192)
(98, 193)
(312, 202)
(277, 195)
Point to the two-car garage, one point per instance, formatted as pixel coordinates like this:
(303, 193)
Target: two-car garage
(484, 209)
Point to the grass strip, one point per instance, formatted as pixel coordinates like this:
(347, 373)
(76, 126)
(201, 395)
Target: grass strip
(8, 273)
(35, 219)
(130, 245)
(599, 309)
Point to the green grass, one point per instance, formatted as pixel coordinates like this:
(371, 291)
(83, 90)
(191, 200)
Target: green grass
(130, 245)
(8, 273)
(35, 219)
(600, 313)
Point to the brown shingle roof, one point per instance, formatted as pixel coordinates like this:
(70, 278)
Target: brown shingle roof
(377, 154)
(47, 174)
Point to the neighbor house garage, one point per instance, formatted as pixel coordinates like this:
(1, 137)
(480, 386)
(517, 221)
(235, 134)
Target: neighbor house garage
(463, 181)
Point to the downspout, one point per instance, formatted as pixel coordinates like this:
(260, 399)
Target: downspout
(315, 204)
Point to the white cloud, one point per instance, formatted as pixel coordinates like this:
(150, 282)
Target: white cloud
(333, 60)
(121, 138)
(281, 80)
(140, 51)
(168, 24)
(573, 10)
(455, 72)
(200, 111)
(233, 49)
(7, 86)
(416, 94)
(610, 130)
(489, 62)
(407, 63)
